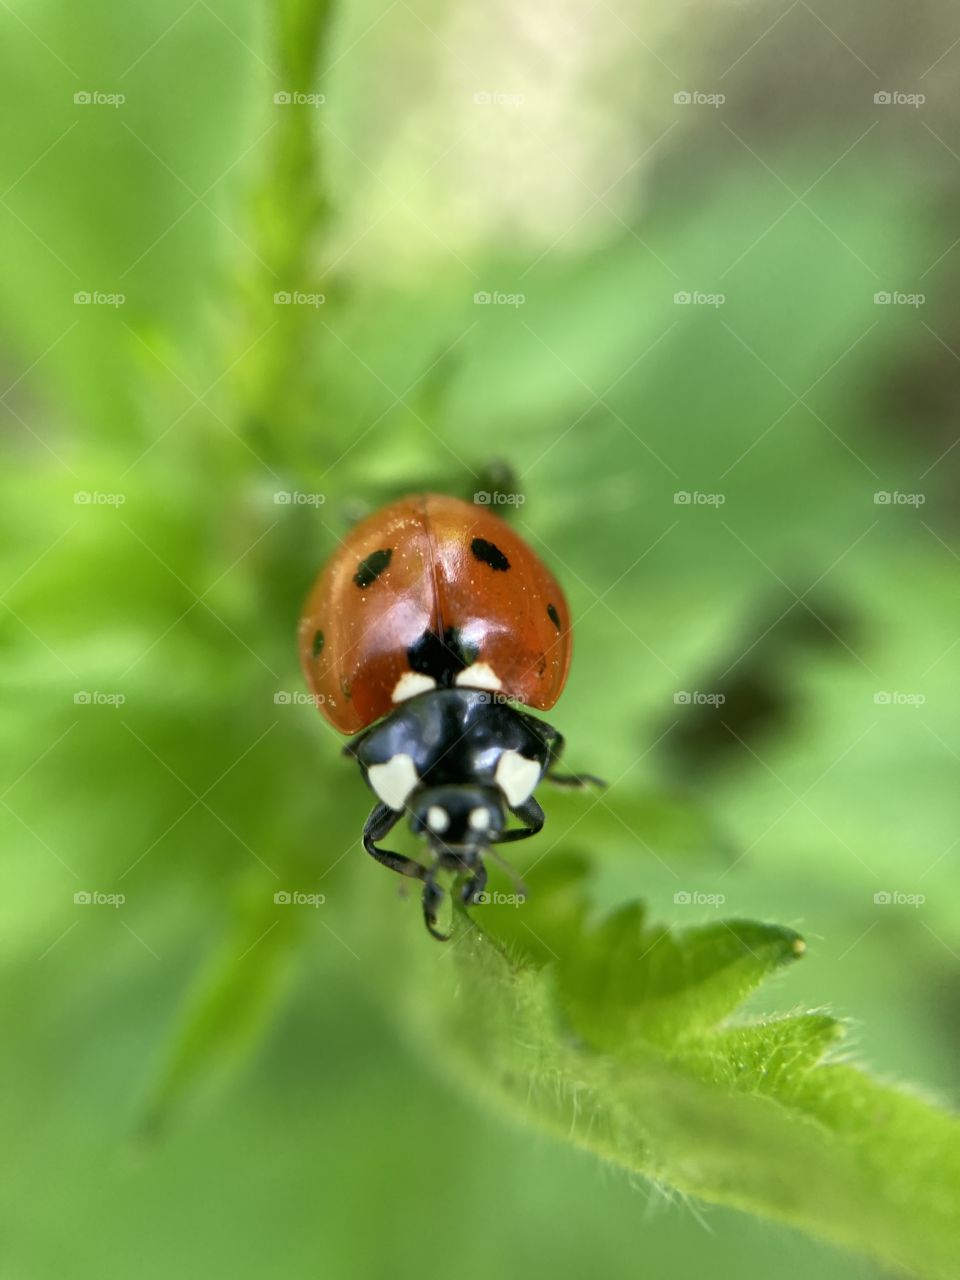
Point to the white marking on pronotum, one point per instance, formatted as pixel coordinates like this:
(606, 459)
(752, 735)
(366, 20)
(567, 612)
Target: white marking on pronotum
(516, 776)
(479, 676)
(479, 819)
(437, 819)
(394, 780)
(410, 684)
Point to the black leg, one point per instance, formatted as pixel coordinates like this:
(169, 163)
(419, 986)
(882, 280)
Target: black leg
(432, 897)
(555, 744)
(574, 781)
(533, 818)
(473, 887)
(382, 818)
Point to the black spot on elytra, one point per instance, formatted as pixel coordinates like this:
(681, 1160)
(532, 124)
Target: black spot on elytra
(317, 647)
(441, 657)
(371, 568)
(489, 554)
(553, 615)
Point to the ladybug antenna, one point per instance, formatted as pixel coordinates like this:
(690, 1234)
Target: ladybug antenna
(515, 878)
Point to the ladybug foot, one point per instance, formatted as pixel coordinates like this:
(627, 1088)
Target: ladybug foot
(432, 897)
(472, 889)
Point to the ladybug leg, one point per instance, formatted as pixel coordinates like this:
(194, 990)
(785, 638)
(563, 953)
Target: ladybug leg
(473, 887)
(382, 818)
(432, 897)
(574, 781)
(531, 815)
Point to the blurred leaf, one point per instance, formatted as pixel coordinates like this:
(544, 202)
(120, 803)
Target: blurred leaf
(224, 1016)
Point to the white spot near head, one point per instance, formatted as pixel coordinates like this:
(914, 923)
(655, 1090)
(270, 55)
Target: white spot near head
(410, 684)
(394, 780)
(516, 776)
(437, 819)
(479, 676)
(479, 819)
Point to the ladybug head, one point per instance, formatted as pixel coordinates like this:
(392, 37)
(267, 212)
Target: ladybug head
(458, 819)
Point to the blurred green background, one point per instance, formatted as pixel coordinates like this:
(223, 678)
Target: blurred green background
(720, 247)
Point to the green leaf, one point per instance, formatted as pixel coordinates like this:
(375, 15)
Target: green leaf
(629, 984)
(620, 1037)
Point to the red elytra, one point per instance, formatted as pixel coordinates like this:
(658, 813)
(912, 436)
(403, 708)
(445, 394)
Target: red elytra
(439, 587)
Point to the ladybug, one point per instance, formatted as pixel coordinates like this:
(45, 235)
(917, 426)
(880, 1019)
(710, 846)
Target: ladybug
(426, 635)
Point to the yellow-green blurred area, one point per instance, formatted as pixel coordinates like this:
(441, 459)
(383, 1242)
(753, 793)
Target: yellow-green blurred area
(690, 272)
